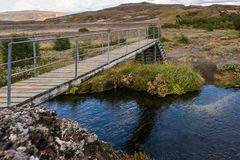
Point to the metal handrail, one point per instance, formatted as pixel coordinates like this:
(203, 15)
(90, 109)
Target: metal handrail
(136, 34)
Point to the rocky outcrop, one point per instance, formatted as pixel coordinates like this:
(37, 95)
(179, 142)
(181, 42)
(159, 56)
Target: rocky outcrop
(36, 133)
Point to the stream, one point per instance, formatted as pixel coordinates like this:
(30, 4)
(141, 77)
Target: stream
(196, 126)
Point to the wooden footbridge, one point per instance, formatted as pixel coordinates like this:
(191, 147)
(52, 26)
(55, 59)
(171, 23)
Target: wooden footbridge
(102, 51)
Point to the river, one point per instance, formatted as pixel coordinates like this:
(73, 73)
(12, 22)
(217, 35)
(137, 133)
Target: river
(195, 126)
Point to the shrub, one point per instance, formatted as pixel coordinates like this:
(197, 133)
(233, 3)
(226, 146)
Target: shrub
(229, 66)
(19, 51)
(115, 42)
(164, 39)
(83, 30)
(170, 25)
(153, 32)
(236, 23)
(183, 39)
(62, 44)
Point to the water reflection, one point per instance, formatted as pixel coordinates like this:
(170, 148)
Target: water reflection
(176, 127)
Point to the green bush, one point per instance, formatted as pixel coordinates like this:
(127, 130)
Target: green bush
(183, 39)
(83, 30)
(153, 32)
(19, 51)
(236, 23)
(62, 44)
(164, 39)
(229, 66)
(170, 25)
(115, 42)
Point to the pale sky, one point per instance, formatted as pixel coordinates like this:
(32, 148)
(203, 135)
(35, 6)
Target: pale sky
(87, 5)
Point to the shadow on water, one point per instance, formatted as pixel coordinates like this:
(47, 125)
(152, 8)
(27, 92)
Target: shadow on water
(149, 106)
(195, 126)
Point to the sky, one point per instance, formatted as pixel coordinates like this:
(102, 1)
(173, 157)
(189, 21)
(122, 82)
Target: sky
(73, 6)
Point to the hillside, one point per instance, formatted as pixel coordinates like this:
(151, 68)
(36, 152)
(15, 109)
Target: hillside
(29, 15)
(135, 12)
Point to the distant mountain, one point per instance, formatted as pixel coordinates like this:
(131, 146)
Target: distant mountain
(140, 12)
(29, 15)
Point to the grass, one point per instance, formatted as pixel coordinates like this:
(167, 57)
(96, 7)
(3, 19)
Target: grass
(229, 74)
(183, 39)
(155, 79)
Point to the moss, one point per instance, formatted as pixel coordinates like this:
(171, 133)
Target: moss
(156, 79)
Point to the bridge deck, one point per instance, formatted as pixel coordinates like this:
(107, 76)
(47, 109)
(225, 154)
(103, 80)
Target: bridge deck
(25, 91)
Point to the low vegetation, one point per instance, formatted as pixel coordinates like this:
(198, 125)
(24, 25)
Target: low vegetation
(83, 30)
(138, 156)
(62, 44)
(221, 21)
(156, 79)
(19, 51)
(183, 39)
(229, 74)
(153, 32)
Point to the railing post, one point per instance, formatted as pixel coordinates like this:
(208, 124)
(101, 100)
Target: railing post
(138, 38)
(9, 76)
(147, 35)
(76, 55)
(108, 54)
(35, 59)
(102, 35)
(153, 32)
(118, 39)
(159, 34)
(127, 34)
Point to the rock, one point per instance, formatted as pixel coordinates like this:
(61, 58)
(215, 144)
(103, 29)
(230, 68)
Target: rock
(36, 133)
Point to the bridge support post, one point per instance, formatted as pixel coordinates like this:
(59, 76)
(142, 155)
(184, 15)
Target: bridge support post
(76, 54)
(108, 52)
(127, 34)
(35, 59)
(9, 76)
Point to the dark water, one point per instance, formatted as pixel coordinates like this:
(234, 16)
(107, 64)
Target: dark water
(197, 126)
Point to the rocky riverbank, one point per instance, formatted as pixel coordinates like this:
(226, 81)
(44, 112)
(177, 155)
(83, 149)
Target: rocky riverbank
(36, 133)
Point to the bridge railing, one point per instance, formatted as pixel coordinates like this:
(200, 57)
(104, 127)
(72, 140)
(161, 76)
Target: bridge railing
(45, 57)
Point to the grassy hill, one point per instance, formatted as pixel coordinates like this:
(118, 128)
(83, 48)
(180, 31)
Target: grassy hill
(29, 15)
(135, 12)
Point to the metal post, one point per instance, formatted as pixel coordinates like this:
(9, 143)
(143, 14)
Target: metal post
(147, 35)
(76, 55)
(138, 38)
(108, 54)
(153, 32)
(127, 34)
(9, 76)
(159, 34)
(102, 43)
(118, 39)
(35, 59)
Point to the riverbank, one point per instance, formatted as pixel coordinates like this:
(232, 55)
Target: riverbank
(36, 133)
(156, 79)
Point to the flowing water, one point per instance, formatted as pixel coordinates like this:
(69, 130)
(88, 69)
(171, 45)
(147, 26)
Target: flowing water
(196, 126)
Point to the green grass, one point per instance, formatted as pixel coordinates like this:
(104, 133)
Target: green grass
(155, 79)
(183, 39)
